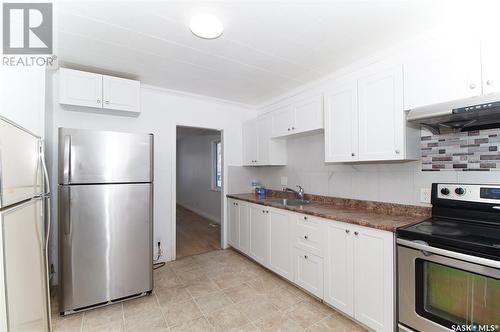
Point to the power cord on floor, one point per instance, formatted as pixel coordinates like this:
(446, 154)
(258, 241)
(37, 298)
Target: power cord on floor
(158, 255)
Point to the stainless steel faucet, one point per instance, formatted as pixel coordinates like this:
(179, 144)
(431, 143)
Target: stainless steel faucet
(299, 193)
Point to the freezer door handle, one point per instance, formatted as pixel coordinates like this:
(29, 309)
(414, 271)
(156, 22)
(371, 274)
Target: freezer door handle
(47, 221)
(67, 159)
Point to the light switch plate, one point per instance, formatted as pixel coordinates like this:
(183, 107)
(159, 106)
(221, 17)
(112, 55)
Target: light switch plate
(425, 195)
(284, 181)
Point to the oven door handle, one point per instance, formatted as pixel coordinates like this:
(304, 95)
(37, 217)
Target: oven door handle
(457, 255)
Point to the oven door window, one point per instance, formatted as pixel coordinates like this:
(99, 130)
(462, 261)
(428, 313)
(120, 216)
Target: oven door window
(450, 296)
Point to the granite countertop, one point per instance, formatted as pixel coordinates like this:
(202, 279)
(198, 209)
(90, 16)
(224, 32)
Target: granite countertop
(384, 216)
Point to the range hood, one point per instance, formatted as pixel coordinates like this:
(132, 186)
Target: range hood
(460, 115)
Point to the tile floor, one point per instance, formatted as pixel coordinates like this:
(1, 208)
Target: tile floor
(216, 291)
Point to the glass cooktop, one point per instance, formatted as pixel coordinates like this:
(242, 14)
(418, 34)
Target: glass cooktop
(468, 237)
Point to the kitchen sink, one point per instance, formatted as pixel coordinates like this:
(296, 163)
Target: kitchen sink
(288, 201)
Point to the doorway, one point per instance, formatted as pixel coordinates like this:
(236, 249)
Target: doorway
(199, 166)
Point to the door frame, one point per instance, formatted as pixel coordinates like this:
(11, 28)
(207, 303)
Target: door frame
(173, 224)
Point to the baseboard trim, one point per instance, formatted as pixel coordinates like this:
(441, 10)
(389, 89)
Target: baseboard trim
(201, 213)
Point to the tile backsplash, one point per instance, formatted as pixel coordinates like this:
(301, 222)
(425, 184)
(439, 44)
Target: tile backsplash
(476, 150)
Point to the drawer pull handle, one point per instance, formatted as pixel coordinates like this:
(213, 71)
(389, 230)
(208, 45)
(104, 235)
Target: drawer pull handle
(356, 233)
(305, 237)
(305, 256)
(305, 218)
(347, 231)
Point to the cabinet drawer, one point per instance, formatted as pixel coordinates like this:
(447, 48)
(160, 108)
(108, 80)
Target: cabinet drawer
(308, 272)
(309, 235)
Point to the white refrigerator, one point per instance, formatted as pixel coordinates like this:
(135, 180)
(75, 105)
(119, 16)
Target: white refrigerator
(24, 229)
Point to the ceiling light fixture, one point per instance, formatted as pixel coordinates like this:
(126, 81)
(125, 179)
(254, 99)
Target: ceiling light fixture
(206, 26)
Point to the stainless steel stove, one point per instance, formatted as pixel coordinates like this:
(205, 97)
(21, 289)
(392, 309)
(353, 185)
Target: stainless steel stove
(449, 265)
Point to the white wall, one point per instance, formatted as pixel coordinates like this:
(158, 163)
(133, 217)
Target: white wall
(396, 182)
(194, 176)
(162, 111)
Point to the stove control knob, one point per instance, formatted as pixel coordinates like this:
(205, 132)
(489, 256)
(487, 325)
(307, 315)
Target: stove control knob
(445, 191)
(459, 191)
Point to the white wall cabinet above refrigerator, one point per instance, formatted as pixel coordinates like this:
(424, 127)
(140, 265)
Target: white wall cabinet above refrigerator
(365, 120)
(259, 149)
(302, 116)
(86, 89)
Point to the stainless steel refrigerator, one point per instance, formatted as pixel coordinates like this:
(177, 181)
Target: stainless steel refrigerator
(105, 198)
(25, 224)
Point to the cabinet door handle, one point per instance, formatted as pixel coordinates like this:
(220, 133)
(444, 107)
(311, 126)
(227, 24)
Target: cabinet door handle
(288, 129)
(353, 154)
(356, 233)
(305, 218)
(305, 237)
(472, 86)
(106, 102)
(98, 101)
(305, 256)
(267, 211)
(293, 128)
(347, 231)
(489, 82)
(397, 151)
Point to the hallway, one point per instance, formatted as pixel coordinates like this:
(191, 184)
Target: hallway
(195, 234)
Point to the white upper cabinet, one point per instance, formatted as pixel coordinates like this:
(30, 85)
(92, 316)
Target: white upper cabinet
(341, 122)
(442, 70)
(298, 117)
(365, 120)
(381, 116)
(490, 55)
(308, 114)
(283, 121)
(121, 94)
(81, 88)
(259, 149)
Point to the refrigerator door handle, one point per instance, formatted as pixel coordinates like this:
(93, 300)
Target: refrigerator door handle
(65, 204)
(46, 184)
(67, 159)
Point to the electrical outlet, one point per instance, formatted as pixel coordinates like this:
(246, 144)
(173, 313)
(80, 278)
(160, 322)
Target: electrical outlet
(284, 181)
(425, 195)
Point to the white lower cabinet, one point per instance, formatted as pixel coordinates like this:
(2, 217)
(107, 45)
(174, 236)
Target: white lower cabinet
(359, 274)
(339, 268)
(280, 242)
(350, 267)
(259, 234)
(308, 271)
(234, 223)
(244, 226)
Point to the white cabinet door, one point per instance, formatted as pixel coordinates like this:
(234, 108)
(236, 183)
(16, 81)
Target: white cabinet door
(381, 115)
(280, 236)
(264, 129)
(121, 94)
(283, 121)
(374, 278)
(490, 53)
(341, 122)
(244, 227)
(234, 223)
(443, 70)
(339, 268)
(308, 114)
(259, 220)
(308, 272)
(250, 143)
(80, 88)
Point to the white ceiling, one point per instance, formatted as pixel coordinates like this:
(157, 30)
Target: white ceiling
(267, 48)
